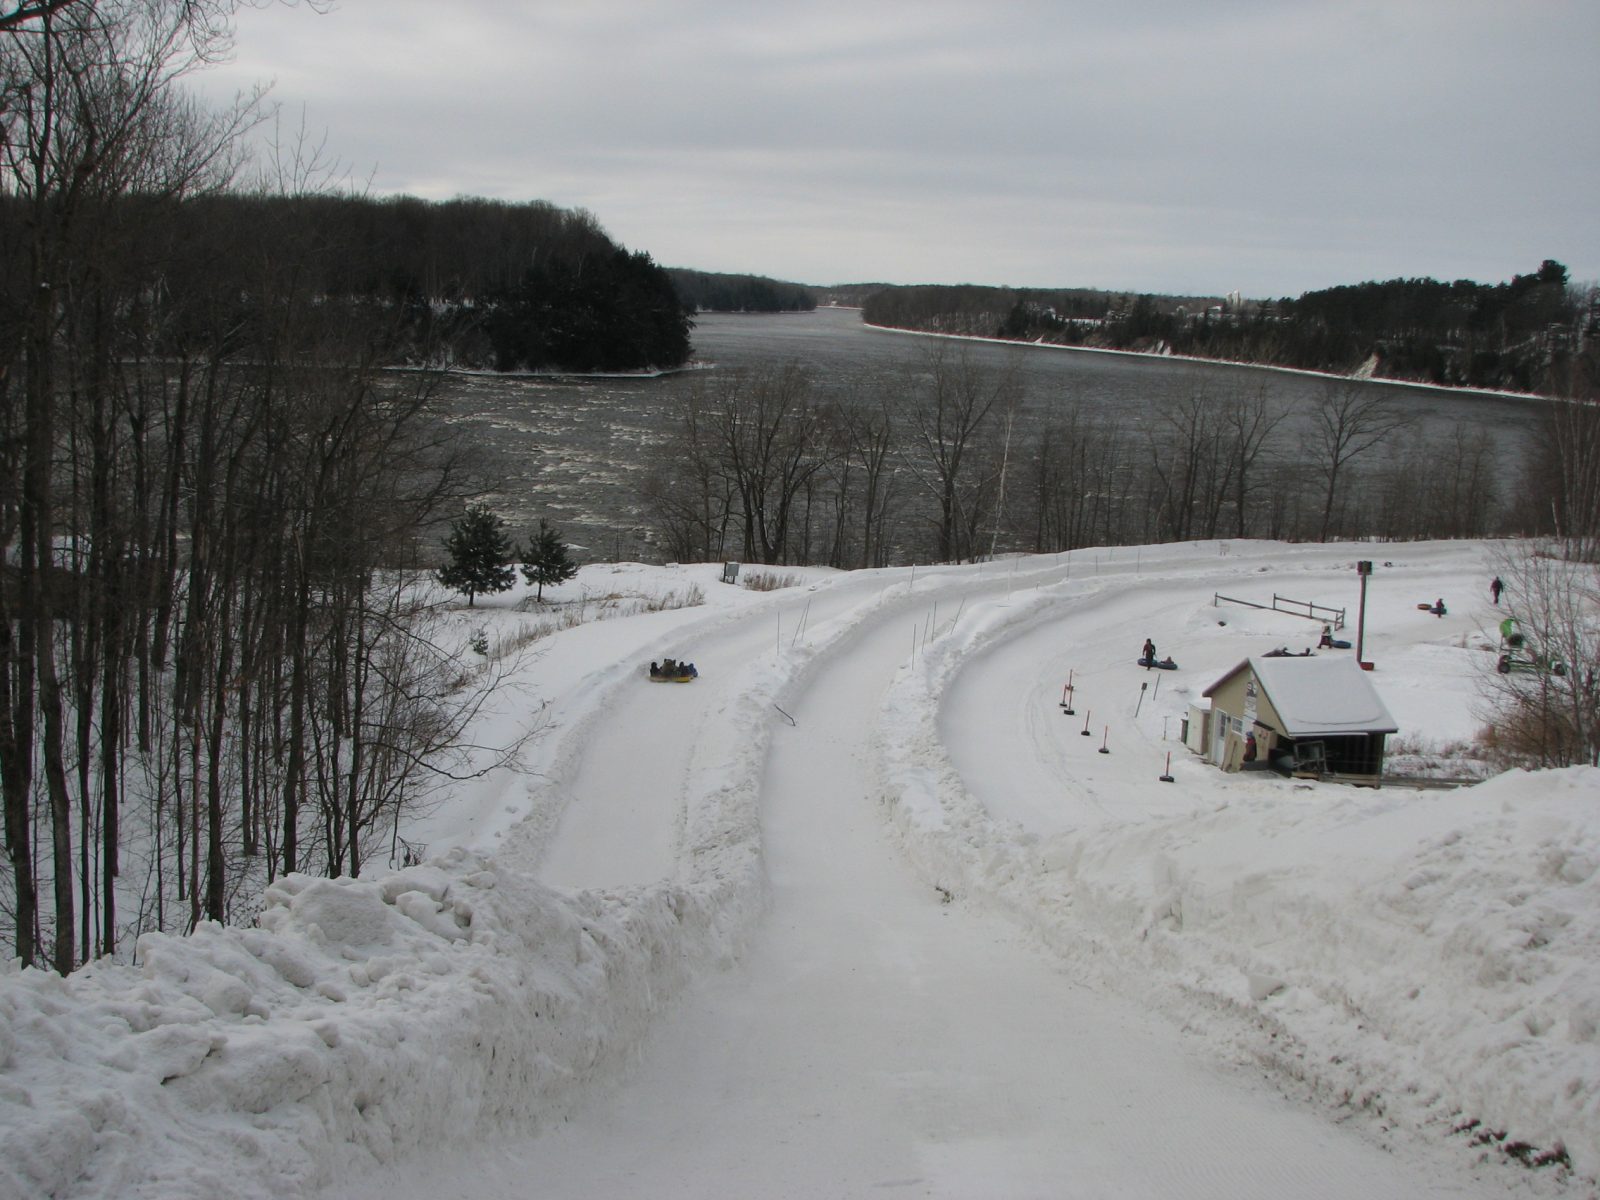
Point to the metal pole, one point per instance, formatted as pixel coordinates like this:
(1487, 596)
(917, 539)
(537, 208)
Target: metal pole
(1364, 569)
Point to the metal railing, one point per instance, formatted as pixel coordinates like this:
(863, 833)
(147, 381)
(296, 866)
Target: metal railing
(1295, 608)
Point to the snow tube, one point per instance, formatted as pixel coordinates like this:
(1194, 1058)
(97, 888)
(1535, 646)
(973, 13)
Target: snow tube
(672, 671)
(1164, 664)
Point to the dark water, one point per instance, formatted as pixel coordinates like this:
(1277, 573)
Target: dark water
(576, 451)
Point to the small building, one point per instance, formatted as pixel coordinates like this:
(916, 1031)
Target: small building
(1314, 716)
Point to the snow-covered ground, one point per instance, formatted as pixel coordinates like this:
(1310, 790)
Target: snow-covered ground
(863, 909)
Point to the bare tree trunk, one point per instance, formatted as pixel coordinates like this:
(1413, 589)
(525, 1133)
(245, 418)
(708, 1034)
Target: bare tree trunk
(1347, 423)
(295, 763)
(15, 780)
(40, 570)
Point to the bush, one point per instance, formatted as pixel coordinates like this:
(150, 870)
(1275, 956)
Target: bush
(766, 581)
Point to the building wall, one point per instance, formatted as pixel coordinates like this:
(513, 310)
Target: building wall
(1242, 699)
(1230, 697)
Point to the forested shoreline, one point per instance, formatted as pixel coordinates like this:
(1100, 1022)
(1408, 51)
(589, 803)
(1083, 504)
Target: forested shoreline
(470, 283)
(705, 291)
(1524, 335)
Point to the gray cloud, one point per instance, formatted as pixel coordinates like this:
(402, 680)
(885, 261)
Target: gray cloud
(1182, 147)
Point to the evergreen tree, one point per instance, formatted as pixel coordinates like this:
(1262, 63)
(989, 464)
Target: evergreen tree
(480, 555)
(605, 311)
(549, 560)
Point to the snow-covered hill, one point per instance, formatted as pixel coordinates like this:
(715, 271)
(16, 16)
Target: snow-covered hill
(862, 906)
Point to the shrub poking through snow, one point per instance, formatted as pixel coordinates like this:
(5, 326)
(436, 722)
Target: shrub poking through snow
(768, 581)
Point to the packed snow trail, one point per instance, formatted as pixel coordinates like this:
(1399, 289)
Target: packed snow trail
(622, 818)
(877, 1037)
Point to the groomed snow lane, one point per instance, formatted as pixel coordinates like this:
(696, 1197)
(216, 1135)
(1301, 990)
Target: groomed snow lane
(877, 1038)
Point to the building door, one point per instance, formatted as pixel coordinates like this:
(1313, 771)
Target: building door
(1222, 725)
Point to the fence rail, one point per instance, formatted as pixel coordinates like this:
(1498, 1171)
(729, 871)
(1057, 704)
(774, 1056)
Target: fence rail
(1295, 608)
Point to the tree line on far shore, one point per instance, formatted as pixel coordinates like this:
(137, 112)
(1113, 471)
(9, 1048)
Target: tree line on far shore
(704, 291)
(1521, 335)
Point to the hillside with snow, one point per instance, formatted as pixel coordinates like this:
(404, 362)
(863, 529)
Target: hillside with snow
(864, 908)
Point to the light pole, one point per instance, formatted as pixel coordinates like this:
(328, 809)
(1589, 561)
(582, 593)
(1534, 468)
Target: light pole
(1363, 569)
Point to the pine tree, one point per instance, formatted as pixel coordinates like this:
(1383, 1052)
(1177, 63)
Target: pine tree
(549, 560)
(480, 555)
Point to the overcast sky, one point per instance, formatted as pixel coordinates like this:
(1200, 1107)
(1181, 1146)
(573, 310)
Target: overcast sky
(1264, 146)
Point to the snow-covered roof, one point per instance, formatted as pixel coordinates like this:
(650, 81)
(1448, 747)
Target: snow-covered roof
(1318, 694)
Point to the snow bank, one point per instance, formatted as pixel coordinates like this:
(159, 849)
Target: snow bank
(1432, 957)
(358, 1018)
(363, 1018)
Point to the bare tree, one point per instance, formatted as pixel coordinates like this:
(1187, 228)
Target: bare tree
(15, 16)
(1079, 475)
(771, 438)
(869, 440)
(688, 497)
(1565, 473)
(945, 408)
(206, 484)
(89, 118)
(1349, 421)
(1546, 698)
(1248, 422)
(1193, 470)
(1441, 487)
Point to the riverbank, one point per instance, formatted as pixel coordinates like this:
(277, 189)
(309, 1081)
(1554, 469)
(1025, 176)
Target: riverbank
(1219, 362)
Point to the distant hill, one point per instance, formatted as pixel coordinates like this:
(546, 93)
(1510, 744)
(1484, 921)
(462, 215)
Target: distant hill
(705, 291)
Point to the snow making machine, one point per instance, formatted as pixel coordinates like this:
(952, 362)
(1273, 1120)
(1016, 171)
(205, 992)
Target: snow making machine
(1517, 654)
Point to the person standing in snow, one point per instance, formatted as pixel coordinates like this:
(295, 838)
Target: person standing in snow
(1149, 654)
(1495, 589)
